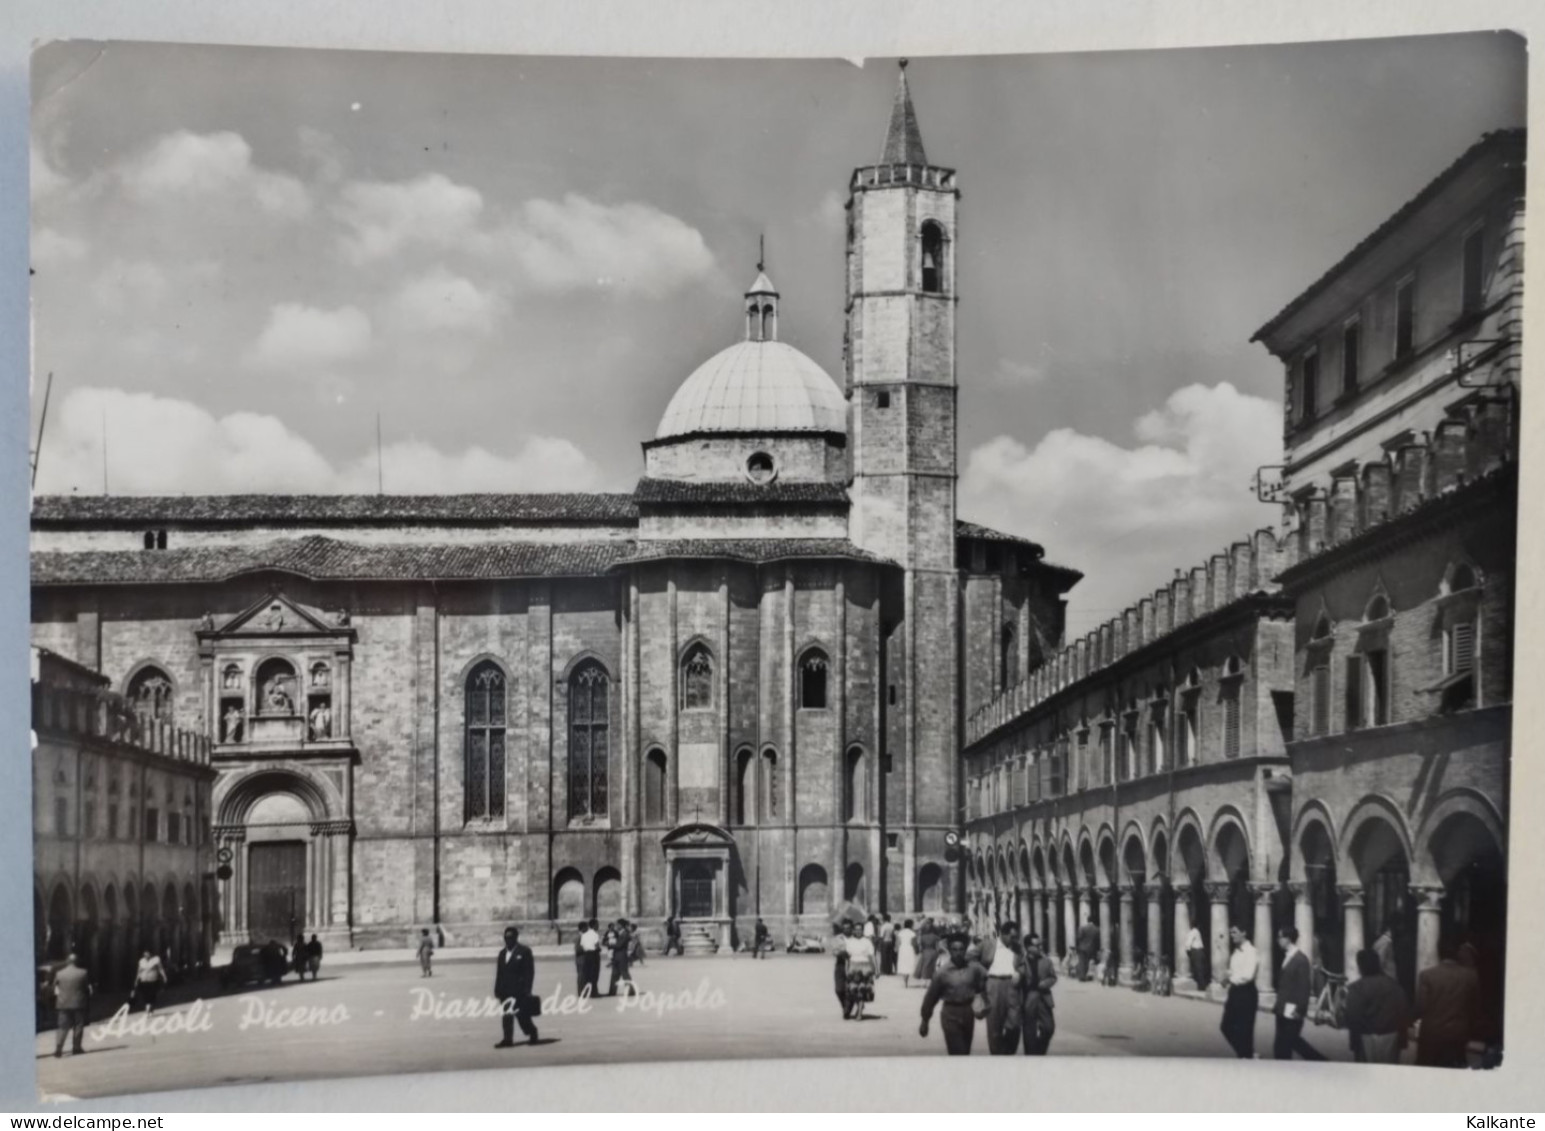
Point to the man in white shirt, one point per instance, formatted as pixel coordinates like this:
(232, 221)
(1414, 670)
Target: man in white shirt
(590, 950)
(1238, 1025)
(1005, 964)
(1196, 951)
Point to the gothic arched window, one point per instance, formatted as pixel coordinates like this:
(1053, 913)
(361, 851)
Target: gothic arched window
(150, 693)
(770, 782)
(933, 258)
(589, 725)
(697, 680)
(812, 680)
(485, 742)
(854, 786)
(654, 787)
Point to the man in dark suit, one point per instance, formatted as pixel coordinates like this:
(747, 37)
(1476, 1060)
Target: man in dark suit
(1039, 1020)
(1447, 997)
(1088, 946)
(513, 978)
(1293, 1000)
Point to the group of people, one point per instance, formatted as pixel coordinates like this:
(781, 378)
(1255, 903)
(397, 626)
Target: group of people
(1380, 1020)
(306, 957)
(999, 979)
(620, 944)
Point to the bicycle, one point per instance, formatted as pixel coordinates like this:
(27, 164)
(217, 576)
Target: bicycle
(1330, 1003)
(1142, 973)
(1162, 980)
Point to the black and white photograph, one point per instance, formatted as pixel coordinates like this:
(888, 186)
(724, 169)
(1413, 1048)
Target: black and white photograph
(544, 561)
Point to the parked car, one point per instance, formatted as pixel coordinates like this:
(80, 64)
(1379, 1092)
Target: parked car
(255, 963)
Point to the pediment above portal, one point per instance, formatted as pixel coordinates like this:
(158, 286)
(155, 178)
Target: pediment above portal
(278, 615)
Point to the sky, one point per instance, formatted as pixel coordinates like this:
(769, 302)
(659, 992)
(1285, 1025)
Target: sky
(242, 256)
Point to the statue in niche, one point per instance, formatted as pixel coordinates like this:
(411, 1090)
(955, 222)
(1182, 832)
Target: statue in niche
(206, 622)
(276, 697)
(232, 723)
(319, 676)
(322, 721)
(274, 618)
(231, 679)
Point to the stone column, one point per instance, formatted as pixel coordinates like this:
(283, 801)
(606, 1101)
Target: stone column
(1183, 979)
(1155, 895)
(1038, 913)
(1265, 944)
(1217, 894)
(1429, 907)
(1086, 909)
(1124, 970)
(1303, 919)
(1351, 928)
(1069, 917)
(1103, 896)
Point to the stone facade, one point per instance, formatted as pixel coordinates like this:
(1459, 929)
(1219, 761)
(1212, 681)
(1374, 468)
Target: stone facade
(731, 693)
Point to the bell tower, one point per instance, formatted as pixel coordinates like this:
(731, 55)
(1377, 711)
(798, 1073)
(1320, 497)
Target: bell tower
(900, 383)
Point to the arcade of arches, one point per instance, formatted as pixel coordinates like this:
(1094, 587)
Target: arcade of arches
(1349, 878)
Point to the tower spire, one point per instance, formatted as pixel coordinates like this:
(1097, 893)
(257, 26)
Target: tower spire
(903, 140)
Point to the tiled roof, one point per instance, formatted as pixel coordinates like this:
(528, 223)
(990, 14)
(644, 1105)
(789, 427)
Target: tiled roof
(756, 550)
(1497, 139)
(676, 491)
(279, 509)
(964, 529)
(327, 559)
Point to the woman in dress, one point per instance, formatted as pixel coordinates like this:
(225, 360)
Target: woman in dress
(860, 973)
(844, 932)
(906, 952)
(149, 977)
(928, 940)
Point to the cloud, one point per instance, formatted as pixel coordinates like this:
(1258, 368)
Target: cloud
(542, 463)
(123, 284)
(45, 179)
(183, 165)
(832, 211)
(442, 300)
(1129, 516)
(53, 248)
(1018, 373)
(161, 445)
(383, 218)
(304, 338)
(576, 243)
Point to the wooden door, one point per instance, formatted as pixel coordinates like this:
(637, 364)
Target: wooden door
(697, 890)
(276, 891)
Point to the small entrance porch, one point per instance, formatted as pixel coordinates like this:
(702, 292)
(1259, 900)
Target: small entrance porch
(697, 858)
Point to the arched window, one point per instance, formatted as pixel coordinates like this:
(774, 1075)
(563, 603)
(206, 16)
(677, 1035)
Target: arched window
(1319, 676)
(770, 782)
(1377, 609)
(150, 691)
(769, 326)
(484, 753)
(654, 788)
(697, 680)
(276, 688)
(1460, 577)
(933, 258)
(854, 786)
(589, 719)
(745, 796)
(1008, 662)
(812, 680)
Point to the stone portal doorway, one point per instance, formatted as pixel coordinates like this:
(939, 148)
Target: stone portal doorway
(697, 858)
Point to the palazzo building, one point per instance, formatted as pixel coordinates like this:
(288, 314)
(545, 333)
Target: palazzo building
(736, 691)
(1313, 728)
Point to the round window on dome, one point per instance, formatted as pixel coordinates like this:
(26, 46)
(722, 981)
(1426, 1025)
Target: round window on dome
(760, 467)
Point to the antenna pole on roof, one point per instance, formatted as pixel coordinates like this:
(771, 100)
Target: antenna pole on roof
(37, 452)
(761, 253)
(104, 451)
(380, 475)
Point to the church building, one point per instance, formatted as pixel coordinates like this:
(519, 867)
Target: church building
(736, 691)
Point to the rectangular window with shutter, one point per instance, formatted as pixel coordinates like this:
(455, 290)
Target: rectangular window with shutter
(1231, 720)
(1377, 713)
(1190, 707)
(1106, 752)
(1354, 692)
(1461, 656)
(1083, 759)
(1320, 699)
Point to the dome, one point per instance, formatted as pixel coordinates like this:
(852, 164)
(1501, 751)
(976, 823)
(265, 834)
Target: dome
(756, 386)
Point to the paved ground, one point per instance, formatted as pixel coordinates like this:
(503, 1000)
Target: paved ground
(362, 1024)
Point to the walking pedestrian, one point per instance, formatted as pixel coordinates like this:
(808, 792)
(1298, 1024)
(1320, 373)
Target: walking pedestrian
(1088, 946)
(1196, 955)
(928, 951)
(1292, 1000)
(514, 975)
(672, 935)
(1039, 1021)
(887, 945)
(622, 975)
(1377, 1013)
(426, 950)
(759, 939)
(1238, 1024)
(580, 972)
(298, 960)
(72, 1000)
(859, 973)
(149, 977)
(906, 953)
(1447, 996)
(1001, 958)
(590, 945)
(314, 957)
(955, 988)
(842, 930)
